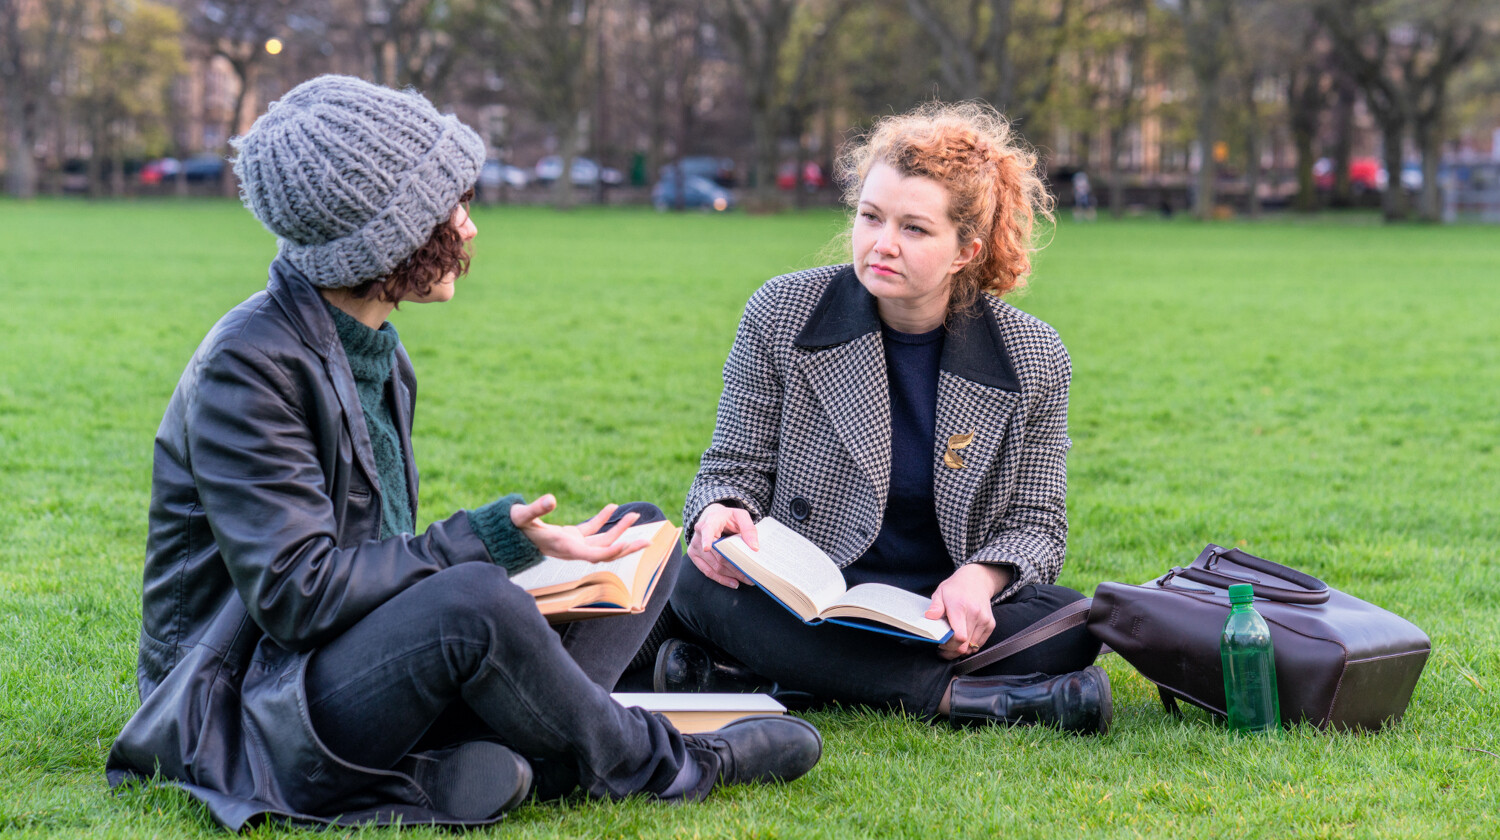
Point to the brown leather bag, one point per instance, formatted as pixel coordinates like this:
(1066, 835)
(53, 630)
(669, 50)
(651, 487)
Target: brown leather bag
(1340, 662)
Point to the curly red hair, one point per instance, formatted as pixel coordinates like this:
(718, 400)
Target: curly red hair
(444, 253)
(994, 191)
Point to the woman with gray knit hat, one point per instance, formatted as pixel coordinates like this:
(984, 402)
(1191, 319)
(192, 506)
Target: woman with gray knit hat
(304, 654)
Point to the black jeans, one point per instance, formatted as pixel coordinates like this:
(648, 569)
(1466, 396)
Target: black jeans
(464, 654)
(847, 665)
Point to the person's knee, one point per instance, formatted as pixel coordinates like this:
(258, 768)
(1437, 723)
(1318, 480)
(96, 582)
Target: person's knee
(646, 511)
(482, 612)
(478, 594)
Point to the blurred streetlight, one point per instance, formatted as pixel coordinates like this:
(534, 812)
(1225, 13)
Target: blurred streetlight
(273, 46)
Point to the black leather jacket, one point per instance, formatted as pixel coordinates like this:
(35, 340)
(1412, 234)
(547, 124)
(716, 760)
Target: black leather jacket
(264, 544)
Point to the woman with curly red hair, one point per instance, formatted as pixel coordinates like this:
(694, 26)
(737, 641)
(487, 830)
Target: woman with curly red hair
(845, 393)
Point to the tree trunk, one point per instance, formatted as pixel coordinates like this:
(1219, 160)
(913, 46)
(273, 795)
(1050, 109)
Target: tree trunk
(1252, 151)
(1393, 203)
(1343, 142)
(763, 176)
(1430, 203)
(1116, 172)
(245, 72)
(117, 168)
(1307, 188)
(1252, 171)
(567, 149)
(1208, 117)
(20, 166)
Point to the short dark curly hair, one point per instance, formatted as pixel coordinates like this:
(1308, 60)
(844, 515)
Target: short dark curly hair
(444, 253)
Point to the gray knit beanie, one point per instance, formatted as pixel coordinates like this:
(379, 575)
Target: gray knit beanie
(353, 177)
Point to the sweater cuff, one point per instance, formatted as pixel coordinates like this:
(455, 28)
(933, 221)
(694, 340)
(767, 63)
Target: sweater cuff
(506, 544)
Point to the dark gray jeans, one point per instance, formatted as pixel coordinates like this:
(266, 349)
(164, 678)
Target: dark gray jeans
(858, 667)
(464, 654)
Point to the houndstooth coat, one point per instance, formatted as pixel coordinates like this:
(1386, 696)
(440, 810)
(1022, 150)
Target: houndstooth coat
(804, 426)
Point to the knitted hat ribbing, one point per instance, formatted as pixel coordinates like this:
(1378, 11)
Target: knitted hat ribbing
(353, 177)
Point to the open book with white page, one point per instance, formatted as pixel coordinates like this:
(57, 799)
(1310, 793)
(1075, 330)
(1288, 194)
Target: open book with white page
(795, 572)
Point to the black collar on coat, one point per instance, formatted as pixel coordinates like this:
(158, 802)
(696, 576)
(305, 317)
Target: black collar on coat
(303, 305)
(972, 350)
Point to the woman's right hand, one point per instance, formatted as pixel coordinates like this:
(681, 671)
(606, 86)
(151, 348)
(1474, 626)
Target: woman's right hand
(714, 522)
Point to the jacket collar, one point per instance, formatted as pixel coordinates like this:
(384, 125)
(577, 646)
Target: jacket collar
(973, 349)
(303, 305)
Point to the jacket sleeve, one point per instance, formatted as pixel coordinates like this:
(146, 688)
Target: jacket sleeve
(1031, 535)
(256, 464)
(739, 466)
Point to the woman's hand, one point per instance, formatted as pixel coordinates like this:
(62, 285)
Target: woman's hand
(575, 542)
(964, 599)
(714, 522)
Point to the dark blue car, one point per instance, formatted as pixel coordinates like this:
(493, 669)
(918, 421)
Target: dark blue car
(698, 192)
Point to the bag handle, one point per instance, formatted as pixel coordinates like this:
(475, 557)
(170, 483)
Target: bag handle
(1311, 591)
(1037, 632)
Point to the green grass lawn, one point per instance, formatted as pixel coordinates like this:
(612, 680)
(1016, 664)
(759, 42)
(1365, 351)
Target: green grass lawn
(1324, 395)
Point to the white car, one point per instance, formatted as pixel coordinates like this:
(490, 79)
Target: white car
(586, 172)
(494, 173)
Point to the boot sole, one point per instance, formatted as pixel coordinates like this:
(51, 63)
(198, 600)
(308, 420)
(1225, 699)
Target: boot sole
(1106, 699)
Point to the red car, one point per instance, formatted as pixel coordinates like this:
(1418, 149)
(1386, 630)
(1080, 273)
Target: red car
(812, 176)
(1364, 173)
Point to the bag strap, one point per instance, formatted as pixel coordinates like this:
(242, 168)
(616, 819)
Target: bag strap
(1037, 632)
(1310, 591)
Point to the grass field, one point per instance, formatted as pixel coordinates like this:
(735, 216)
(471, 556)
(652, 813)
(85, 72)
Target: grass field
(1323, 394)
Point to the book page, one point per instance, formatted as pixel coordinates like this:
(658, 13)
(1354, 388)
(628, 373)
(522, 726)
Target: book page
(702, 712)
(889, 605)
(787, 559)
(552, 572)
(706, 702)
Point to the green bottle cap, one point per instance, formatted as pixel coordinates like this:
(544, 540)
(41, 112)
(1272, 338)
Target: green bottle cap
(1241, 593)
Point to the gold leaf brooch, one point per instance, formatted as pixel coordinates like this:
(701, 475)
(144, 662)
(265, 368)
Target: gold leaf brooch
(955, 443)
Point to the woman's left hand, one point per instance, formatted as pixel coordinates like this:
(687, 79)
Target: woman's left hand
(964, 599)
(575, 542)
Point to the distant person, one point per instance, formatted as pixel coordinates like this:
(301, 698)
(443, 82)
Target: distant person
(843, 394)
(304, 653)
(1083, 197)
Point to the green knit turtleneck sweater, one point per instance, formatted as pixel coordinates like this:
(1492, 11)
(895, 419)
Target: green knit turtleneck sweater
(371, 355)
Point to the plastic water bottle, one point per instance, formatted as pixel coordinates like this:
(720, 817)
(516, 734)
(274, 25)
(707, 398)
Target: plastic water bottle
(1249, 666)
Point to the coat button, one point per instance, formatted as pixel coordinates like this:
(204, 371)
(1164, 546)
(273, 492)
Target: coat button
(800, 508)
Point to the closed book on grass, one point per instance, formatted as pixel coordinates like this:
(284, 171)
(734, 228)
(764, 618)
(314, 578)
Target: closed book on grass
(702, 712)
(570, 590)
(806, 581)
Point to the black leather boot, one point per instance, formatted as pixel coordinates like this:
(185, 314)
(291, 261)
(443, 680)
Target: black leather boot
(473, 781)
(761, 748)
(686, 667)
(1078, 702)
(683, 667)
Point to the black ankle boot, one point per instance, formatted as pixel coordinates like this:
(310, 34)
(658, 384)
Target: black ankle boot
(686, 667)
(473, 781)
(1078, 702)
(761, 749)
(683, 667)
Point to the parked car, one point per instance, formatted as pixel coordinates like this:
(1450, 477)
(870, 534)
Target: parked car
(494, 173)
(697, 191)
(1365, 173)
(812, 176)
(159, 170)
(586, 173)
(716, 169)
(203, 168)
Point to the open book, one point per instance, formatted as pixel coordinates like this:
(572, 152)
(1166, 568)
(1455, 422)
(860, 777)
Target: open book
(806, 581)
(568, 590)
(702, 712)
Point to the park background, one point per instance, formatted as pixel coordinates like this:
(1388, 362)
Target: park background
(1217, 106)
(1317, 386)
